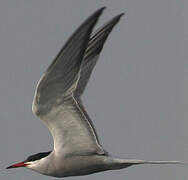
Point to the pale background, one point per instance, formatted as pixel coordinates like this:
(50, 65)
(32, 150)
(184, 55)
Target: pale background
(138, 93)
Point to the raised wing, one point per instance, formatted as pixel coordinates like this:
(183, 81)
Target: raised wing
(62, 75)
(92, 53)
(56, 101)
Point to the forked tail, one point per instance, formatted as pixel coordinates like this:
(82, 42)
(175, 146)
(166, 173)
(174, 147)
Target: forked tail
(162, 162)
(116, 163)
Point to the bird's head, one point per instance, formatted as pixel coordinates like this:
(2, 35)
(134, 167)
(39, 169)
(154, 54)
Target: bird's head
(31, 160)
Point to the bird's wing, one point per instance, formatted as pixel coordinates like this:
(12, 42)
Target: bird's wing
(55, 101)
(92, 53)
(61, 77)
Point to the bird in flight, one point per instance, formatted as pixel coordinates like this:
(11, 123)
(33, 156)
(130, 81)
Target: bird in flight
(57, 102)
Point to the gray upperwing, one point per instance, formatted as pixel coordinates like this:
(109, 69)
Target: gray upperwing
(92, 53)
(63, 73)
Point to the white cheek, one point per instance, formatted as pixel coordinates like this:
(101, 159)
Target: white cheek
(39, 166)
(31, 165)
(34, 165)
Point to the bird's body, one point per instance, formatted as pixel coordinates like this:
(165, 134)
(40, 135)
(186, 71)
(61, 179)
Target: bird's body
(74, 165)
(58, 165)
(57, 102)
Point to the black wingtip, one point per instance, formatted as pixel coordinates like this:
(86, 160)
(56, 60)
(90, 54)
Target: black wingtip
(99, 11)
(122, 14)
(118, 17)
(94, 17)
(102, 8)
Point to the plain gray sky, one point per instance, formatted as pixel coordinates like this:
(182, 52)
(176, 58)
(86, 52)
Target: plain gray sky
(138, 93)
